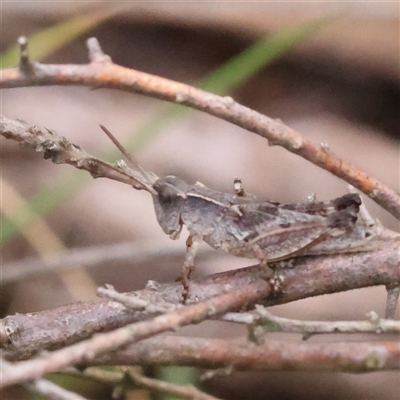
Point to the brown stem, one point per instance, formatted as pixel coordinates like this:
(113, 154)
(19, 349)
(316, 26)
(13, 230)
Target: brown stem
(310, 276)
(102, 343)
(61, 151)
(124, 378)
(183, 392)
(271, 355)
(271, 323)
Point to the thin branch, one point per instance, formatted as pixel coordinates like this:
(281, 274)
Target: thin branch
(87, 350)
(21, 337)
(134, 252)
(184, 392)
(127, 377)
(261, 318)
(270, 355)
(45, 387)
(102, 73)
(113, 377)
(96, 54)
(132, 301)
(61, 151)
(52, 391)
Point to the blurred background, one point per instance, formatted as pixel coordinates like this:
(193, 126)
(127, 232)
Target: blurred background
(328, 70)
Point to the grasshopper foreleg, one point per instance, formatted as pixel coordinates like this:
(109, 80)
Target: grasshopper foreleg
(192, 246)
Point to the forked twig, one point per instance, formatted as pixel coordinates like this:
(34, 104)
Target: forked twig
(268, 322)
(61, 151)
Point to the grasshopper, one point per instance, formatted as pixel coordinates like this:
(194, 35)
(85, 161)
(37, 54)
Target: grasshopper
(245, 226)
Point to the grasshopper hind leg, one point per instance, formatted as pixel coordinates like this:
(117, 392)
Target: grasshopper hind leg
(270, 272)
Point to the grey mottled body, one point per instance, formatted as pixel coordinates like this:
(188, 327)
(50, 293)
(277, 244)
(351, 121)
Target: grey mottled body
(246, 226)
(249, 227)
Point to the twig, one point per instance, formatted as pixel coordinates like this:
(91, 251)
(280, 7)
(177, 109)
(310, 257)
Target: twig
(135, 252)
(61, 151)
(310, 276)
(184, 392)
(52, 391)
(127, 376)
(132, 301)
(102, 73)
(271, 355)
(271, 323)
(87, 350)
(45, 387)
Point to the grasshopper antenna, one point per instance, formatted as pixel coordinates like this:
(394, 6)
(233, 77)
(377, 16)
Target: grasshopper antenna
(145, 178)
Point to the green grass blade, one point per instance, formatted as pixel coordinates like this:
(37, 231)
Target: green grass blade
(250, 61)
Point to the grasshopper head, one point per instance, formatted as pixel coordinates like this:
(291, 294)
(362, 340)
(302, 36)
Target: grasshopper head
(171, 194)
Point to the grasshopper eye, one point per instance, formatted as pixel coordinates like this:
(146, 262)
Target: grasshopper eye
(166, 199)
(168, 189)
(166, 193)
(351, 200)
